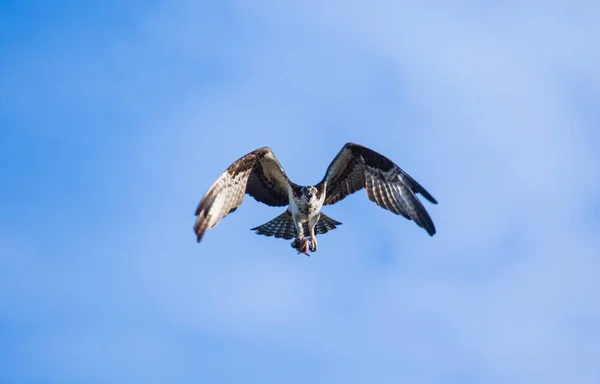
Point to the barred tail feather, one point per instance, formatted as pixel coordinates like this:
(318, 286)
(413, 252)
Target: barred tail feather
(282, 227)
(324, 224)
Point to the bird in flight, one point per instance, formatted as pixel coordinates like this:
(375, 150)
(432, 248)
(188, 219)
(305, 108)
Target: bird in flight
(260, 175)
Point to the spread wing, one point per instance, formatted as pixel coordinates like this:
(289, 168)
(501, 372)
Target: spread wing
(357, 167)
(258, 174)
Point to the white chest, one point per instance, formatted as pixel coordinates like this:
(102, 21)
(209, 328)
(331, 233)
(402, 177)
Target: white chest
(305, 209)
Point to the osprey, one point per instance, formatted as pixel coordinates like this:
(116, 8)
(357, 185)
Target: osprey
(260, 175)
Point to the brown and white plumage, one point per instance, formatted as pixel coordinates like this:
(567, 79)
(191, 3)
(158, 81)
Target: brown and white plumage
(260, 175)
(283, 227)
(356, 167)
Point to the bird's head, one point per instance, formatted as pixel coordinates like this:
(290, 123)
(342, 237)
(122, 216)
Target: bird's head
(308, 193)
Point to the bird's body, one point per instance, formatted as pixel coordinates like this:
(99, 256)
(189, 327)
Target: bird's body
(305, 207)
(260, 175)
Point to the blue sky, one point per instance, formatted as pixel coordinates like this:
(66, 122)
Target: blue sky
(115, 119)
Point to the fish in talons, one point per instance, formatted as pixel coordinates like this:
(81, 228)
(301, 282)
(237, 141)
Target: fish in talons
(302, 245)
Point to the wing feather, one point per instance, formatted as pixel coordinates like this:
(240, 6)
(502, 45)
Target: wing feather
(387, 185)
(258, 174)
(389, 191)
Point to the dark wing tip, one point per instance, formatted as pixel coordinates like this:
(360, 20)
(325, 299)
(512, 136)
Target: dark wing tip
(429, 198)
(424, 221)
(416, 187)
(199, 229)
(431, 230)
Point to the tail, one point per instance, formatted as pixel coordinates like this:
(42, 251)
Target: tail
(282, 227)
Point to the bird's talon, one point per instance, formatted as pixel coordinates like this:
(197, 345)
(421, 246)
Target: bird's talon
(302, 245)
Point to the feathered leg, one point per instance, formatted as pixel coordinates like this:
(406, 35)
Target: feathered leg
(313, 239)
(300, 243)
